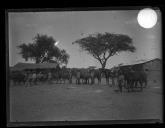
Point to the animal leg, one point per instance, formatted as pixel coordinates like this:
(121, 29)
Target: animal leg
(141, 85)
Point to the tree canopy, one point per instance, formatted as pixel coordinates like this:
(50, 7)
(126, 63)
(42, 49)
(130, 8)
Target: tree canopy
(104, 45)
(43, 49)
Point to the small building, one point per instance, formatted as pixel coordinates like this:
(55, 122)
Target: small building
(24, 66)
(154, 71)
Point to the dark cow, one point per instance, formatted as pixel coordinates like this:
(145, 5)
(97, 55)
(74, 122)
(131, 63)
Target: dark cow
(31, 78)
(39, 76)
(107, 74)
(69, 75)
(82, 76)
(75, 73)
(114, 76)
(96, 74)
(85, 76)
(133, 77)
(44, 76)
(139, 77)
(65, 74)
(18, 77)
(49, 77)
(57, 75)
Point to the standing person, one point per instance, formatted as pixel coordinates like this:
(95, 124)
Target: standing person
(92, 74)
(114, 77)
(49, 76)
(34, 77)
(120, 80)
(29, 79)
(70, 76)
(39, 77)
(26, 77)
(78, 77)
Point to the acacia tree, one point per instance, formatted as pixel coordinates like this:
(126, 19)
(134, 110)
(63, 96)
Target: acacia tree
(104, 45)
(42, 49)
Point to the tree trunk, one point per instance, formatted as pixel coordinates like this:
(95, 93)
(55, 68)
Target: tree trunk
(103, 65)
(103, 70)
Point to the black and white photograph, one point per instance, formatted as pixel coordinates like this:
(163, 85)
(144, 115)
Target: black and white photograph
(85, 65)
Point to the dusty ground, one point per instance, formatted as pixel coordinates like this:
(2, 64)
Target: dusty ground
(52, 102)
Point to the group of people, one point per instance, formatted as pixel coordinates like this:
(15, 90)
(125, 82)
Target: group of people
(125, 77)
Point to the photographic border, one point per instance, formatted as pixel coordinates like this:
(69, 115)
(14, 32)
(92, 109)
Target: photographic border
(64, 123)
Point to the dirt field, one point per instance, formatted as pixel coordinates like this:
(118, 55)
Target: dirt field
(52, 102)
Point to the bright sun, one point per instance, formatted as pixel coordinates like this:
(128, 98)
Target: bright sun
(147, 18)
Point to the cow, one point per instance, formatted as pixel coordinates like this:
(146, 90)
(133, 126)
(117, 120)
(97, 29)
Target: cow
(18, 77)
(65, 74)
(77, 76)
(107, 74)
(96, 74)
(132, 78)
(85, 76)
(114, 76)
(139, 77)
(31, 78)
(82, 76)
(70, 75)
(14, 77)
(75, 73)
(56, 75)
(28, 79)
(39, 76)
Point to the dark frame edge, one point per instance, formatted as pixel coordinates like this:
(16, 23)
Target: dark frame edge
(49, 123)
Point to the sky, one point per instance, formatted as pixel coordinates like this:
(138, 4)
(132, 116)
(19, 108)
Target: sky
(68, 26)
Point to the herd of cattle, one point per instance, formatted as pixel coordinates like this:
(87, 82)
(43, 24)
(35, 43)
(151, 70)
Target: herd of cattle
(126, 77)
